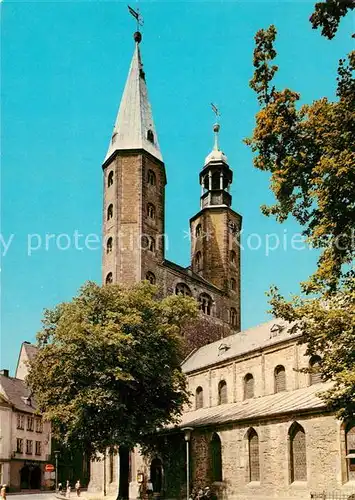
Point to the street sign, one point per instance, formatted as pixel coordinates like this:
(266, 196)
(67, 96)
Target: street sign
(49, 468)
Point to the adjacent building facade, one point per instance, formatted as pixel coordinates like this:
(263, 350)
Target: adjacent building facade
(256, 426)
(25, 442)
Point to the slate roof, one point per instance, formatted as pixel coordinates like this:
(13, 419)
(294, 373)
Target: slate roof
(15, 391)
(135, 116)
(298, 401)
(258, 337)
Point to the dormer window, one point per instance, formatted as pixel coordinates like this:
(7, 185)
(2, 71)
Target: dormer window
(150, 136)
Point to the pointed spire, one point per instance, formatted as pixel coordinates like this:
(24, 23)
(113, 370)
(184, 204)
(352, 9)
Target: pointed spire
(134, 127)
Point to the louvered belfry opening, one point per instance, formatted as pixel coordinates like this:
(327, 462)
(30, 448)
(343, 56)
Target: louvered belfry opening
(280, 378)
(298, 460)
(222, 392)
(315, 376)
(216, 458)
(248, 386)
(199, 398)
(254, 460)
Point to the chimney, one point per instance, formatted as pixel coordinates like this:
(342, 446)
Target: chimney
(4, 372)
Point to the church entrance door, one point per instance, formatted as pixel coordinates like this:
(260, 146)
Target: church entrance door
(123, 489)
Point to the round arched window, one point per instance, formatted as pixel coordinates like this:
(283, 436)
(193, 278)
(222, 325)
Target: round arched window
(182, 289)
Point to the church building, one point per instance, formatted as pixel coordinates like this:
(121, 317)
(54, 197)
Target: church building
(255, 427)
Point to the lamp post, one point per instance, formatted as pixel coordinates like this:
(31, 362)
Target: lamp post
(187, 435)
(56, 453)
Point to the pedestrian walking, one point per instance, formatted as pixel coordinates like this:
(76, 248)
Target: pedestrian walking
(77, 488)
(60, 487)
(3, 492)
(67, 494)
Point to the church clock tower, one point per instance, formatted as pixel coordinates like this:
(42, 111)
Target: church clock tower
(134, 186)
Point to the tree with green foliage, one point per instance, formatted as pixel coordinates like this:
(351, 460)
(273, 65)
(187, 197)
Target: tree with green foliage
(327, 15)
(309, 151)
(108, 369)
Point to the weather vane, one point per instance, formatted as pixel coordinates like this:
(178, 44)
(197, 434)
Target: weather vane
(215, 110)
(137, 16)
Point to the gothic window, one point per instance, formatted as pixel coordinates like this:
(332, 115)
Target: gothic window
(233, 316)
(150, 136)
(151, 277)
(298, 461)
(205, 304)
(350, 450)
(109, 278)
(199, 398)
(222, 392)
(198, 231)
(111, 468)
(151, 178)
(110, 179)
(216, 458)
(233, 257)
(152, 244)
(315, 376)
(110, 212)
(233, 284)
(253, 452)
(198, 260)
(248, 386)
(280, 378)
(182, 289)
(109, 245)
(151, 210)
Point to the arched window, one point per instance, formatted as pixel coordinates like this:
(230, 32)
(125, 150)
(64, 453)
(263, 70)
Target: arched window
(233, 257)
(152, 244)
(233, 316)
(111, 467)
(253, 452)
(151, 210)
(350, 450)
(315, 376)
(109, 278)
(222, 392)
(110, 212)
(151, 178)
(198, 230)
(199, 398)
(182, 289)
(216, 458)
(109, 245)
(298, 461)
(205, 303)
(110, 179)
(248, 386)
(280, 378)
(150, 136)
(233, 284)
(151, 278)
(198, 260)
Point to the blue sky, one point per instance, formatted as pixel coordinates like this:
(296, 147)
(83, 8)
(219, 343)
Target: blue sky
(64, 65)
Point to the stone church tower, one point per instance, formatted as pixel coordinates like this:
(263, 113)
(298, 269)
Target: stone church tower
(134, 186)
(134, 216)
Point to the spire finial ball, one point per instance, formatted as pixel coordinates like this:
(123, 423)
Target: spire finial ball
(216, 127)
(137, 37)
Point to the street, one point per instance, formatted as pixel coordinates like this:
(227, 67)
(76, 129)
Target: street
(46, 495)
